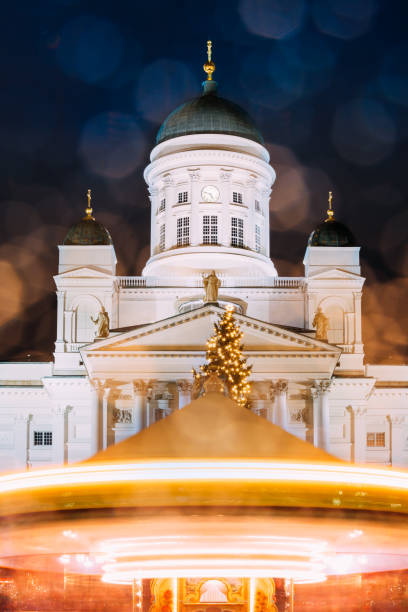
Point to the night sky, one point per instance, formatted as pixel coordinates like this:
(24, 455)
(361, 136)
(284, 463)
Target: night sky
(86, 85)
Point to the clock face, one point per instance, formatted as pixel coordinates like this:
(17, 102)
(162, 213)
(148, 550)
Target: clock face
(210, 193)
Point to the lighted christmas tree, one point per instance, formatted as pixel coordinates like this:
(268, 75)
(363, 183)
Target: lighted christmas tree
(224, 357)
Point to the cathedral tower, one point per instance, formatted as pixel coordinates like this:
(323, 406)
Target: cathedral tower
(209, 181)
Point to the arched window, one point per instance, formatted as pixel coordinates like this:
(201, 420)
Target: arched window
(335, 314)
(213, 591)
(84, 328)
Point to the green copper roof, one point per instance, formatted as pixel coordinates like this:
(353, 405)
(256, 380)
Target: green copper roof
(88, 232)
(209, 114)
(331, 233)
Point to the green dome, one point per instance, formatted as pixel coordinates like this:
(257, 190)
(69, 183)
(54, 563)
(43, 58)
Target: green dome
(331, 233)
(88, 232)
(209, 114)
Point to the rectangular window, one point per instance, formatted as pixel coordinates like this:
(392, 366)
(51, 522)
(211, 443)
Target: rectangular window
(257, 206)
(162, 240)
(237, 197)
(237, 232)
(210, 229)
(182, 197)
(43, 438)
(162, 206)
(376, 439)
(257, 239)
(183, 231)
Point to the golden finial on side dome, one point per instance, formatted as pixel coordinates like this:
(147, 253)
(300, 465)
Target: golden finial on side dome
(88, 209)
(330, 211)
(209, 66)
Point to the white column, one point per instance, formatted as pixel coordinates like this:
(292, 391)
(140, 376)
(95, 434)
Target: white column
(95, 421)
(21, 440)
(170, 225)
(58, 435)
(184, 392)
(322, 426)
(359, 434)
(195, 196)
(105, 416)
(154, 192)
(265, 193)
(59, 344)
(280, 389)
(224, 230)
(314, 391)
(139, 395)
(358, 348)
(68, 327)
(397, 440)
(250, 202)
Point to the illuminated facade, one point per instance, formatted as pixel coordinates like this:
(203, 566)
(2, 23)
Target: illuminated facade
(209, 180)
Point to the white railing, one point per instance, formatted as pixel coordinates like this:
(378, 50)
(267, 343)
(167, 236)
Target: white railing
(280, 282)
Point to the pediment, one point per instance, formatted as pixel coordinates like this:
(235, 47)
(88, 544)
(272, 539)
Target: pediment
(190, 332)
(83, 272)
(335, 274)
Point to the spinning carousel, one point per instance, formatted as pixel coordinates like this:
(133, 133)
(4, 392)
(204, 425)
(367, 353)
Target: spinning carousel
(212, 509)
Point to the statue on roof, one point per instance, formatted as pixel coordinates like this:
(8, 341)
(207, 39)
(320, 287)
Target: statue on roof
(102, 323)
(211, 285)
(321, 323)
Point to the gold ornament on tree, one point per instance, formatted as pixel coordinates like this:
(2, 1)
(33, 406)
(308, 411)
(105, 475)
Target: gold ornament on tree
(225, 359)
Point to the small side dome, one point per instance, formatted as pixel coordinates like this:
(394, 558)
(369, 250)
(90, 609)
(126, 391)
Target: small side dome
(88, 232)
(331, 233)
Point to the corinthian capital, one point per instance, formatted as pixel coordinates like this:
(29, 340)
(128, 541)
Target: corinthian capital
(278, 387)
(321, 386)
(184, 386)
(194, 174)
(139, 387)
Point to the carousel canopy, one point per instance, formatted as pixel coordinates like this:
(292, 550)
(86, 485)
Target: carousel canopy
(213, 426)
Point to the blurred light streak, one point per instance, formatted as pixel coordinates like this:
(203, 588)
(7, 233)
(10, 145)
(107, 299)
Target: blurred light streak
(214, 471)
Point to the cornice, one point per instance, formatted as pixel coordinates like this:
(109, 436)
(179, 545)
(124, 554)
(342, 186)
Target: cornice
(197, 157)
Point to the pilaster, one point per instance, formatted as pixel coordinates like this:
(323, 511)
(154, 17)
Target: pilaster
(21, 439)
(195, 230)
(59, 434)
(184, 388)
(280, 390)
(397, 426)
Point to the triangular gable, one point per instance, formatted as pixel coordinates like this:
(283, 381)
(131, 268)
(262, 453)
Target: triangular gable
(190, 331)
(334, 274)
(83, 272)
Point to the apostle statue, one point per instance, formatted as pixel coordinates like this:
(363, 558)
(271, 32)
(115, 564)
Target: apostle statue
(211, 285)
(321, 323)
(102, 323)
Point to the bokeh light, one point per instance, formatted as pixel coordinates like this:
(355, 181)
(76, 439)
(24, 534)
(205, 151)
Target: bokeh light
(164, 85)
(363, 131)
(344, 18)
(393, 77)
(272, 18)
(89, 48)
(112, 144)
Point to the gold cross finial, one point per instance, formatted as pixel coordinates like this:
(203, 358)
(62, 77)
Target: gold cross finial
(330, 212)
(88, 209)
(209, 66)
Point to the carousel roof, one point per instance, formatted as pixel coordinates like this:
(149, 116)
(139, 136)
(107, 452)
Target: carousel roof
(213, 426)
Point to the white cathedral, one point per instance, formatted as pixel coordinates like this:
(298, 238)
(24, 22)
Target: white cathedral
(209, 181)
